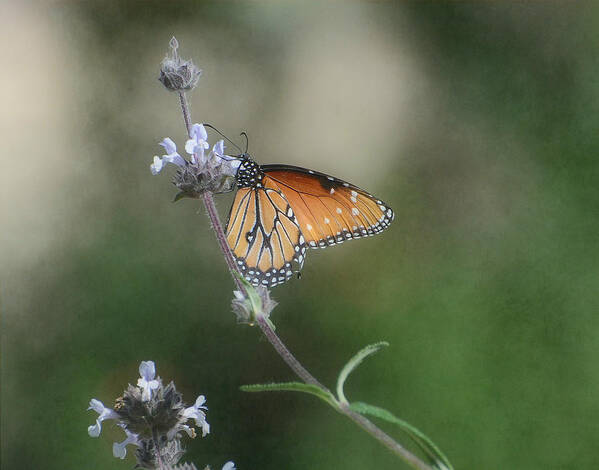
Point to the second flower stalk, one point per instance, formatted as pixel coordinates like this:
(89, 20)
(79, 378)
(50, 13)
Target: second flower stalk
(154, 419)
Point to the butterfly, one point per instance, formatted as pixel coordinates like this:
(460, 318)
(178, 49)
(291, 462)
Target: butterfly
(280, 211)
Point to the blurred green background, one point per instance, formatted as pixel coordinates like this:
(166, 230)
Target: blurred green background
(477, 123)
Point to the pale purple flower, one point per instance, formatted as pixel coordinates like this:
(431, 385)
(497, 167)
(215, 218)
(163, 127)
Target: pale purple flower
(195, 412)
(228, 165)
(229, 466)
(197, 143)
(219, 148)
(147, 370)
(172, 156)
(119, 449)
(105, 413)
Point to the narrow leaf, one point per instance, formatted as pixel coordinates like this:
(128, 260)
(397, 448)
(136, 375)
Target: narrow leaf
(292, 387)
(433, 453)
(353, 363)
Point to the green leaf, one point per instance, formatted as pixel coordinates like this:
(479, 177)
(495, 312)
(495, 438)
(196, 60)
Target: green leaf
(293, 387)
(436, 458)
(353, 363)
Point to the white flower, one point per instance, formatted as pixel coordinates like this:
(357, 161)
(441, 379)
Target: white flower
(119, 449)
(197, 143)
(171, 157)
(229, 466)
(156, 167)
(105, 413)
(147, 370)
(195, 412)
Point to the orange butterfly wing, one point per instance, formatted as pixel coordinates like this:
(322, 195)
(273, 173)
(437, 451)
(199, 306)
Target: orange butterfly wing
(329, 210)
(264, 235)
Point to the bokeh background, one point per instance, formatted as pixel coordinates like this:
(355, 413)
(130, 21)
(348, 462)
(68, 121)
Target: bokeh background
(477, 123)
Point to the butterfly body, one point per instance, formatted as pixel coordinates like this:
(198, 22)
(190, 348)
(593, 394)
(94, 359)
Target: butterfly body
(249, 174)
(281, 210)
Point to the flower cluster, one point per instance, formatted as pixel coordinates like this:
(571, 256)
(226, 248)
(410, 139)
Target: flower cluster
(213, 171)
(154, 419)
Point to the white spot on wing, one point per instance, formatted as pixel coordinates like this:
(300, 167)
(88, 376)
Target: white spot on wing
(326, 220)
(332, 190)
(355, 211)
(308, 226)
(339, 210)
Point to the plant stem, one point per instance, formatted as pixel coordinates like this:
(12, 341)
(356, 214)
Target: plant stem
(222, 238)
(285, 354)
(276, 342)
(185, 110)
(383, 437)
(211, 208)
(343, 408)
(157, 447)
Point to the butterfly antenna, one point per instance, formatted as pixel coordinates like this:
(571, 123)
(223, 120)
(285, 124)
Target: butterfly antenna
(223, 135)
(247, 141)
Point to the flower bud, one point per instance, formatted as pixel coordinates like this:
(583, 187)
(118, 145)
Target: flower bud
(177, 74)
(254, 302)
